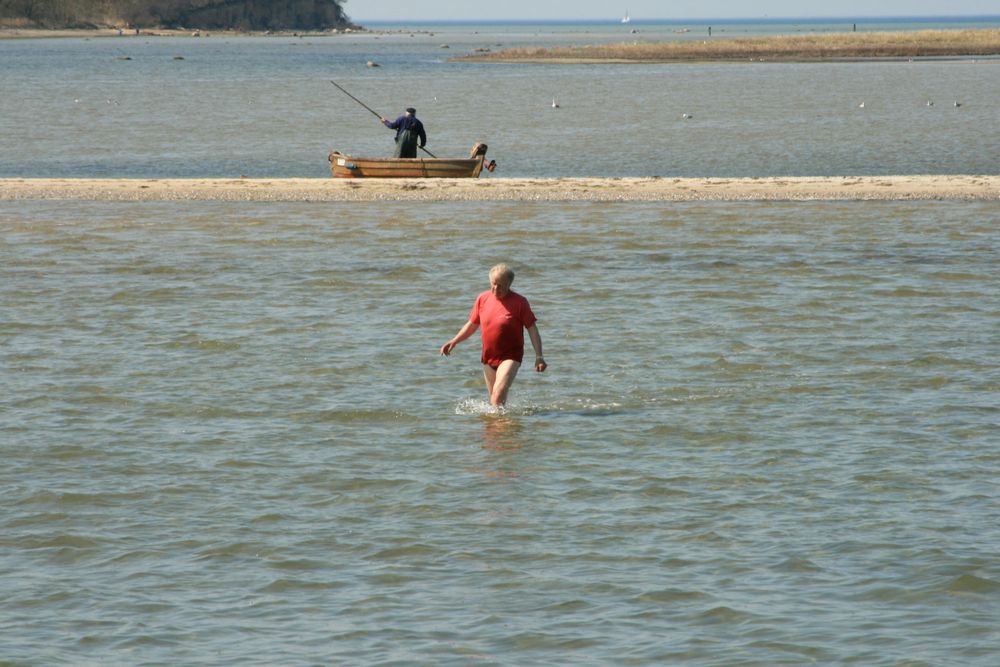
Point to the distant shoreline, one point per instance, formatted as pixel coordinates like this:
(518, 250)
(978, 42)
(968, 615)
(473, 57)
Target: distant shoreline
(90, 33)
(796, 188)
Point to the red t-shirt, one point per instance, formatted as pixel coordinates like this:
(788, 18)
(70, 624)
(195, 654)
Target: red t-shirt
(502, 322)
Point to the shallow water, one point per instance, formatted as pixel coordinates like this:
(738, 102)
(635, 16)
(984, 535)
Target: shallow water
(768, 435)
(224, 107)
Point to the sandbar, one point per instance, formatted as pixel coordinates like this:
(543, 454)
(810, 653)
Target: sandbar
(792, 188)
(834, 47)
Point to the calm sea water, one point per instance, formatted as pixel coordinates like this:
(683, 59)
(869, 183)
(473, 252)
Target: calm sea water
(265, 107)
(768, 434)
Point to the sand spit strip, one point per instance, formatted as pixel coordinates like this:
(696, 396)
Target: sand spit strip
(796, 188)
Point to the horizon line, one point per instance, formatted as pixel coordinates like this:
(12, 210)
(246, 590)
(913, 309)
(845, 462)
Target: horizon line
(696, 19)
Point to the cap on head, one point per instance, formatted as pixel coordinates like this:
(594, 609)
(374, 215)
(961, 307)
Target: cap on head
(410, 110)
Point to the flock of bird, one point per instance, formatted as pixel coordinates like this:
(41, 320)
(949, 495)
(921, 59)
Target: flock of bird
(555, 105)
(929, 103)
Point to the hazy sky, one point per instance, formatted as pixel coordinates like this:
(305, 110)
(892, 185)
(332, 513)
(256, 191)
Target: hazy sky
(410, 10)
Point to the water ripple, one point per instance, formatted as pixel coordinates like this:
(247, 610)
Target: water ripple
(767, 435)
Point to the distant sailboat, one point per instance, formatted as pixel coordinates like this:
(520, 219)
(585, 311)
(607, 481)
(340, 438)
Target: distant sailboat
(626, 19)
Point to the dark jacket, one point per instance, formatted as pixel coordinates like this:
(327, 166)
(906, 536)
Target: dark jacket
(408, 122)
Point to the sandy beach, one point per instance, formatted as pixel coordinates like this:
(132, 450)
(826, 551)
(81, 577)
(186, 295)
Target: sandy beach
(508, 189)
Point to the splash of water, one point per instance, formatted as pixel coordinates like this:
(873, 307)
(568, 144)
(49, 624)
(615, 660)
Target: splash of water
(478, 406)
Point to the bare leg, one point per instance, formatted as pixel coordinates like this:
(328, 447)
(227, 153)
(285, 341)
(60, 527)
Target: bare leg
(498, 381)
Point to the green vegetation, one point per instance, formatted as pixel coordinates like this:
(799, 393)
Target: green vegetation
(206, 14)
(799, 48)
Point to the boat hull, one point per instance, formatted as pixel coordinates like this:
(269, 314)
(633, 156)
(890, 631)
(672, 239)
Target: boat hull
(346, 166)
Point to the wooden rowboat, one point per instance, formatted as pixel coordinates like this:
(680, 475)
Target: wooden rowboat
(345, 166)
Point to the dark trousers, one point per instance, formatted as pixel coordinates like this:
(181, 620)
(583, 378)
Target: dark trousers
(406, 144)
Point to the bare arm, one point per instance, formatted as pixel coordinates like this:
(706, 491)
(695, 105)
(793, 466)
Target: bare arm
(467, 330)
(536, 342)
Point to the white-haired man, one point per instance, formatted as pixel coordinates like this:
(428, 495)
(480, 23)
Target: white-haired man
(503, 315)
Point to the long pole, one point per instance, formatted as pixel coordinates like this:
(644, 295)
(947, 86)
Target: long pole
(374, 113)
(340, 88)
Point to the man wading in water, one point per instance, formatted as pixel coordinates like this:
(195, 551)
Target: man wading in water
(504, 316)
(408, 130)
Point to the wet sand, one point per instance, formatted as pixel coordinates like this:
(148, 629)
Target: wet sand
(507, 189)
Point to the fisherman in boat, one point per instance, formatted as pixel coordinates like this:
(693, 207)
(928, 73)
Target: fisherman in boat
(408, 131)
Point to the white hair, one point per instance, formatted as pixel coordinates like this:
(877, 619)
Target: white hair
(503, 270)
